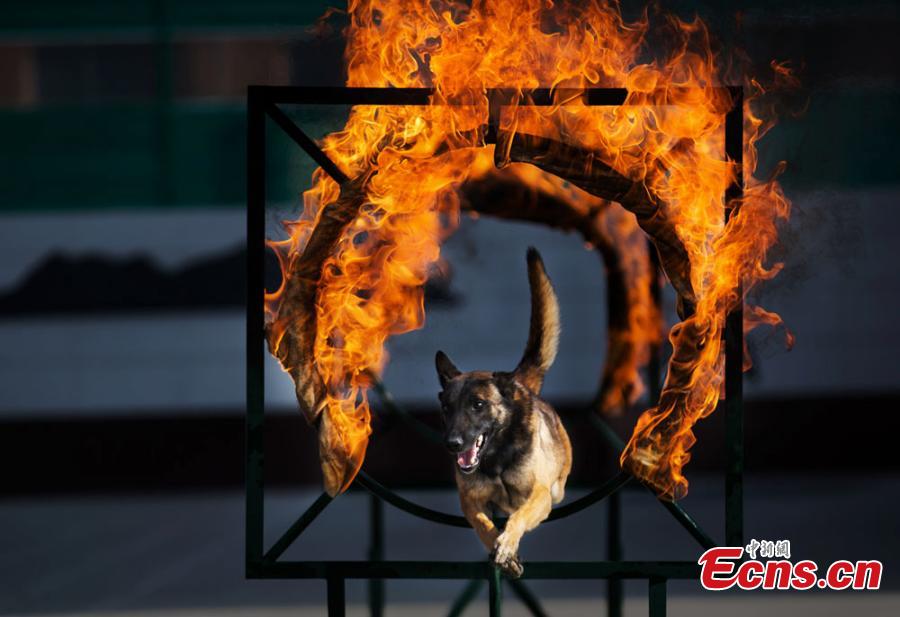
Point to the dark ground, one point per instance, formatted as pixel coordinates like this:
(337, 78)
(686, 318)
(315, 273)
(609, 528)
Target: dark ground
(104, 553)
(81, 539)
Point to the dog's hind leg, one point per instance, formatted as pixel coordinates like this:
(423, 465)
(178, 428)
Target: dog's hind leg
(558, 490)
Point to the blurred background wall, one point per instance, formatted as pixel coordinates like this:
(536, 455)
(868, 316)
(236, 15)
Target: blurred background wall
(122, 277)
(122, 191)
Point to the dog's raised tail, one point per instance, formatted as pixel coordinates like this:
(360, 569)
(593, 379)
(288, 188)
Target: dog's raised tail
(543, 334)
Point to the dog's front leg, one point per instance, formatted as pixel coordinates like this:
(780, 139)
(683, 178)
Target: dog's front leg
(476, 512)
(526, 518)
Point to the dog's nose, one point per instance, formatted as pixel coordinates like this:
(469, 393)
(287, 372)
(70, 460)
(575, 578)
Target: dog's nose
(454, 443)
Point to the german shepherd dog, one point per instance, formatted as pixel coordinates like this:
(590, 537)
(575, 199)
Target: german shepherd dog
(511, 449)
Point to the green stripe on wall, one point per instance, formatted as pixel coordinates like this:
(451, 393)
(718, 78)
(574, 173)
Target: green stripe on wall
(70, 16)
(845, 139)
(102, 156)
(80, 157)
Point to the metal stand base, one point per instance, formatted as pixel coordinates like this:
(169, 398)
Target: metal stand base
(263, 102)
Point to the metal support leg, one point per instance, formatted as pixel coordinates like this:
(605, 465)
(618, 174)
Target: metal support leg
(734, 348)
(469, 592)
(655, 363)
(376, 553)
(614, 553)
(495, 593)
(256, 220)
(734, 431)
(336, 598)
(528, 598)
(657, 597)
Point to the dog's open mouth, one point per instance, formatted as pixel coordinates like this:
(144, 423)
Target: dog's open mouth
(468, 459)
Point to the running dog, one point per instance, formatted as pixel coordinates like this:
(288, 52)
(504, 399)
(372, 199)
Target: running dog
(511, 449)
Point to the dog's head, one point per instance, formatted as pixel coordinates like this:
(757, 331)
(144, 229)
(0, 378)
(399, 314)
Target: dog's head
(476, 407)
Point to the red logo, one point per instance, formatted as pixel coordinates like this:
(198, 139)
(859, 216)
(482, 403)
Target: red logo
(722, 568)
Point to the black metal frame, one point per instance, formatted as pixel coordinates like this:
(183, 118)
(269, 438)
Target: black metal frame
(263, 101)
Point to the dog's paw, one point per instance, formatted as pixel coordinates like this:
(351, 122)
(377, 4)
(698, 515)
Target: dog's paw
(506, 547)
(505, 556)
(511, 567)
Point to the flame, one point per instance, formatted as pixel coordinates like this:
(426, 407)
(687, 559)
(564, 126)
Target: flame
(634, 326)
(668, 137)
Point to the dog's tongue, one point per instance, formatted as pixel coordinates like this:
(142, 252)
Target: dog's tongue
(466, 458)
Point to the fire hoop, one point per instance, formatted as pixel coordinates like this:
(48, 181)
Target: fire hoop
(263, 101)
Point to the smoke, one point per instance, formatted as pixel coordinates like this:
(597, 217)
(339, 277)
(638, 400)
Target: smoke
(824, 237)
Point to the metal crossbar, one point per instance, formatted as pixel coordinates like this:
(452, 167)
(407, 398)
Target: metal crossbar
(262, 102)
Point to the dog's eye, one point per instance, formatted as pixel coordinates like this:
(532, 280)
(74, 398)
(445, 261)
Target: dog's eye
(478, 404)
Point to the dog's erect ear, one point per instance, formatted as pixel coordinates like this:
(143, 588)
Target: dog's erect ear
(506, 385)
(514, 395)
(446, 370)
(543, 335)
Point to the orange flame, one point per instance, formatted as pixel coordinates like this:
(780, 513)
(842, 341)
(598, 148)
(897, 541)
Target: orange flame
(637, 330)
(669, 136)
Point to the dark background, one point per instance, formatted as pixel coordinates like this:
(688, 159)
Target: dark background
(122, 289)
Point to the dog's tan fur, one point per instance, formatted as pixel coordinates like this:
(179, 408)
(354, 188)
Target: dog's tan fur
(527, 457)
